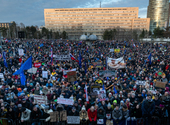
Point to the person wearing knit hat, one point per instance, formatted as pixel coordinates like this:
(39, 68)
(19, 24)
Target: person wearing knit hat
(83, 115)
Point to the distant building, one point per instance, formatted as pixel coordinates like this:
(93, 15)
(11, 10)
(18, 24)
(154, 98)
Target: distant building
(158, 11)
(78, 21)
(6, 25)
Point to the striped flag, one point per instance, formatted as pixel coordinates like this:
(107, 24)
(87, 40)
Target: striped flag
(87, 99)
(51, 56)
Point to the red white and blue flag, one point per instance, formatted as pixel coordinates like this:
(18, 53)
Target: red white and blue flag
(73, 58)
(51, 56)
(87, 99)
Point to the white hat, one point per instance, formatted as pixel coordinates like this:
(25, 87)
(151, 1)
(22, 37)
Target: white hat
(83, 108)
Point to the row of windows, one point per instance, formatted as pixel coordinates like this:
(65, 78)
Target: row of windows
(76, 11)
(92, 15)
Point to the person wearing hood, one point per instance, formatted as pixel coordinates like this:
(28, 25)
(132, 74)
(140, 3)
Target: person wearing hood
(101, 113)
(125, 112)
(73, 112)
(109, 115)
(83, 116)
(25, 115)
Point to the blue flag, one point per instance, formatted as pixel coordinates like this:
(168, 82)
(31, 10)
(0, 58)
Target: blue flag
(22, 78)
(85, 68)
(99, 53)
(103, 87)
(41, 45)
(25, 66)
(4, 57)
(125, 51)
(79, 59)
(115, 90)
(150, 61)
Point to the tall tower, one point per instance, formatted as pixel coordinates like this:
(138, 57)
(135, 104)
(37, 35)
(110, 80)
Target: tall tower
(158, 13)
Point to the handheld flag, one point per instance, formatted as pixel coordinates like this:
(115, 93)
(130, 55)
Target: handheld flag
(4, 57)
(51, 56)
(150, 61)
(79, 59)
(22, 78)
(27, 65)
(115, 90)
(87, 99)
(73, 58)
(103, 87)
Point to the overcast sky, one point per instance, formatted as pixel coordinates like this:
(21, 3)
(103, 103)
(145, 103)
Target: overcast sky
(31, 12)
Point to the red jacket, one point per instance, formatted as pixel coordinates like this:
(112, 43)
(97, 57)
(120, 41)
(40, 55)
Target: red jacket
(92, 115)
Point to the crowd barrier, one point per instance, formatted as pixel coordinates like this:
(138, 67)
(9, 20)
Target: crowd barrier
(129, 121)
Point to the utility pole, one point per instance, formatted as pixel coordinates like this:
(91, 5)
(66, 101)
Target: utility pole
(100, 4)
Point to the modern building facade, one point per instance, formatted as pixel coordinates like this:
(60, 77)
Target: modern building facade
(6, 25)
(158, 11)
(78, 21)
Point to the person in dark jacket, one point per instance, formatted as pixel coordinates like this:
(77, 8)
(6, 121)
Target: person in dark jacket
(117, 115)
(73, 112)
(35, 116)
(101, 113)
(148, 107)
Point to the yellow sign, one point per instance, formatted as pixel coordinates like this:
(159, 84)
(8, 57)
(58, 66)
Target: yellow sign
(116, 50)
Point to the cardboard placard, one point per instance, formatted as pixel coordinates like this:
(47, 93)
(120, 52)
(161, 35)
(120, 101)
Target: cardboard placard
(21, 52)
(100, 121)
(1, 75)
(73, 120)
(56, 118)
(138, 82)
(39, 99)
(160, 84)
(44, 74)
(102, 95)
(72, 76)
(65, 101)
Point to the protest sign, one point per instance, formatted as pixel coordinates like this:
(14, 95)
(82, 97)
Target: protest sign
(107, 73)
(117, 50)
(95, 90)
(32, 70)
(72, 76)
(62, 57)
(1, 75)
(65, 101)
(37, 65)
(39, 99)
(73, 120)
(100, 121)
(44, 74)
(21, 52)
(160, 84)
(102, 95)
(111, 50)
(116, 63)
(138, 82)
(57, 116)
(97, 64)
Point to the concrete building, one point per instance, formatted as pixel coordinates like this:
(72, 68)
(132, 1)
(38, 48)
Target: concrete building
(158, 11)
(6, 25)
(78, 21)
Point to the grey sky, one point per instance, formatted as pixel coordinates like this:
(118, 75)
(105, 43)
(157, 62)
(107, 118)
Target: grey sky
(31, 12)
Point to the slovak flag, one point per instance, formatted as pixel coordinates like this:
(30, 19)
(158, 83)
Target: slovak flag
(87, 99)
(65, 72)
(51, 56)
(6, 40)
(73, 58)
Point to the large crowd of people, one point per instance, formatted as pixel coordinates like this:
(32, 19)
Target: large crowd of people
(127, 101)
